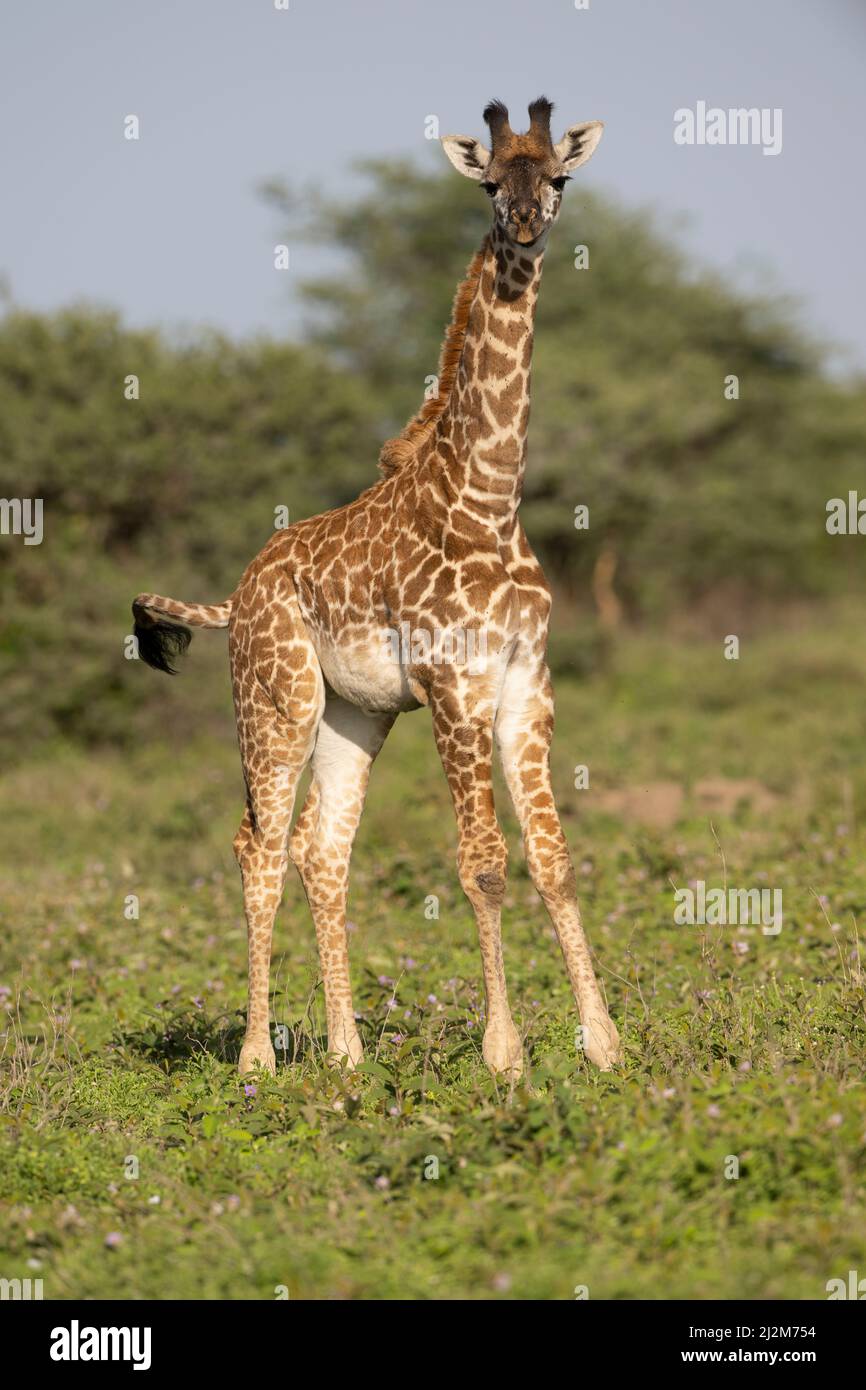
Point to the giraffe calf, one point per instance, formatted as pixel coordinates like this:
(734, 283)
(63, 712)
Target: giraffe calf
(317, 627)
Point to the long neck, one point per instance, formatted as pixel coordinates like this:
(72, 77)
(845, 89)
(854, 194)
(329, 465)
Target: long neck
(481, 434)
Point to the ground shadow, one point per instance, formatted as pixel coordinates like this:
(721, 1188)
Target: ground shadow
(171, 1036)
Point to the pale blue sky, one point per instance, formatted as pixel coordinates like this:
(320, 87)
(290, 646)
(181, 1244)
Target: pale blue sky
(229, 92)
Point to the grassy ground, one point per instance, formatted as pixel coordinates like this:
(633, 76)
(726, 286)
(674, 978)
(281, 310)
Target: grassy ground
(134, 1164)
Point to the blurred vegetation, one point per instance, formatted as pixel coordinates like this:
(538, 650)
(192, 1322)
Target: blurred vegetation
(173, 492)
(697, 504)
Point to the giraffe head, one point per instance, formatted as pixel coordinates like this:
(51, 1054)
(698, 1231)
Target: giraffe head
(523, 175)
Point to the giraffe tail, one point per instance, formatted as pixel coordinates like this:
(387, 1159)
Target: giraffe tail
(159, 628)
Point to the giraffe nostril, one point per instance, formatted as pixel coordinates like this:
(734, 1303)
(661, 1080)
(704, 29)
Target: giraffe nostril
(525, 212)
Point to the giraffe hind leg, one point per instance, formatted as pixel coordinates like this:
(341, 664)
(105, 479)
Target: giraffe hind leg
(279, 696)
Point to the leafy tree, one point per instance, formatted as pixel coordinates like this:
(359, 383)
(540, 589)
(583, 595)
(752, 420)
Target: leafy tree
(175, 491)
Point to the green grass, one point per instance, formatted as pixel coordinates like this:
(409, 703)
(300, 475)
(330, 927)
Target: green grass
(118, 1055)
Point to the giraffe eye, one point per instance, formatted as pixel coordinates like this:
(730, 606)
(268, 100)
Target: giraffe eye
(490, 188)
(559, 184)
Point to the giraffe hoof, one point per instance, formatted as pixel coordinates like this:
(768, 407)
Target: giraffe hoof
(257, 1052)
(601, 1043)
(503, 1053)
(347, 1053)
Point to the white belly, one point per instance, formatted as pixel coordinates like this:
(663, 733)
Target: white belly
(366, 673)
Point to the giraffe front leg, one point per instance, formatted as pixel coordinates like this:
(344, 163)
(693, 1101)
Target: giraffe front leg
(321, 847)
(464, 738)
(524, 728)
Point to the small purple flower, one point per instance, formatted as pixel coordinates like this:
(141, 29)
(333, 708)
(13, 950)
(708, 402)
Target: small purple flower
(382, 1183)
(250, 1090)
(113, 1239)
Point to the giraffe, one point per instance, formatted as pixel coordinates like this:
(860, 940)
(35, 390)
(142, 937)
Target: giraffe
(434, 547)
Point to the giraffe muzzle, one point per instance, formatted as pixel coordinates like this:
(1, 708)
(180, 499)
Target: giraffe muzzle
(525, 219)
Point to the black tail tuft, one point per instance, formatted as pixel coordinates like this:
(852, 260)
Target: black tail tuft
(160, 643)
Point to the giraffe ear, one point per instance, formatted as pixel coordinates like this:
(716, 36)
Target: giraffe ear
(468, 156)
(578, 144)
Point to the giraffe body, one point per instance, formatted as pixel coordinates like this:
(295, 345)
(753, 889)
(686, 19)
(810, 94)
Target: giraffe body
(423, 591)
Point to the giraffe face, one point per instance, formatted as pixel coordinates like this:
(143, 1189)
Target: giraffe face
(523, 175)
(526, 193)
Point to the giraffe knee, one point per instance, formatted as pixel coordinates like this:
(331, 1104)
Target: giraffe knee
(241, 843)
(554, 878)
(491, 883)
(482, 873)
(259, 855)
(304, 834)
(298, 845)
